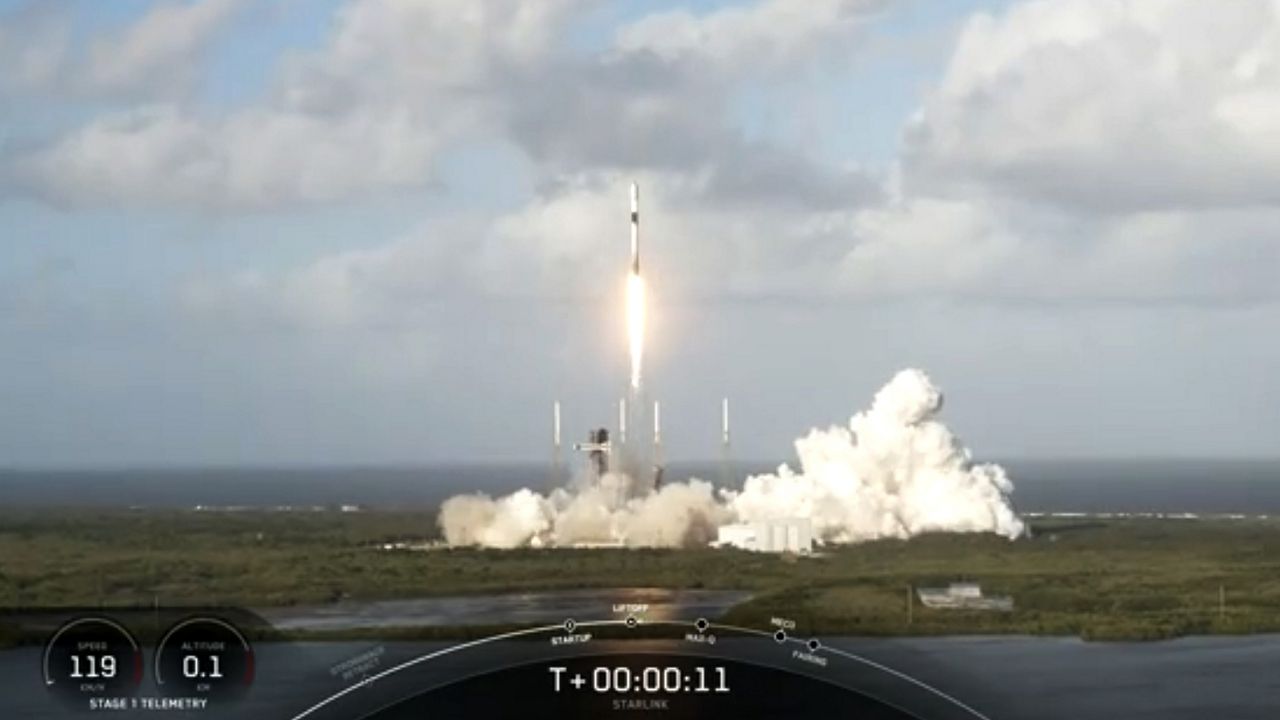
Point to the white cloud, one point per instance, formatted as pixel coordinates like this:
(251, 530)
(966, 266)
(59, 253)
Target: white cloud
(1090, 151)
(1011, 251)
(157, 50)
(438, 59)
(555, 246)
(398, 81)
(1096, 174)
(1113, 106)
(1033, 170)
(769, 33)
(395, 285)
(157, 55)
(162, 155)
(574, 241)
(568, 243)
(926, 244)
(366, 113)
(33, 47)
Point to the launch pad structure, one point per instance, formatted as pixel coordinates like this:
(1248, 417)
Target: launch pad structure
(634, 448)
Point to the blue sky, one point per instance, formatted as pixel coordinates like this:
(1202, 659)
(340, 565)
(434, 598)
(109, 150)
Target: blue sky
(348, 231)
(863, 104)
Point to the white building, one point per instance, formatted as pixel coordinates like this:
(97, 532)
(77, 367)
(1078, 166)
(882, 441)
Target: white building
(963, 596)
(779, 536)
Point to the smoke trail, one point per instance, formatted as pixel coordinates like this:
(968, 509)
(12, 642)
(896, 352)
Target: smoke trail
(893, 471)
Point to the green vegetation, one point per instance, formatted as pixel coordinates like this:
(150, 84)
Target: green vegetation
(1119, 579)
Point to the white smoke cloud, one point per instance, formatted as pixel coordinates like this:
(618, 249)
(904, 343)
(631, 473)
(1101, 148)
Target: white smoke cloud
(894, 471)
(508, 522)
(684, 514)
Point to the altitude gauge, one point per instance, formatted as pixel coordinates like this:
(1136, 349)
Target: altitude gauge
(204, 657)
(93, 663)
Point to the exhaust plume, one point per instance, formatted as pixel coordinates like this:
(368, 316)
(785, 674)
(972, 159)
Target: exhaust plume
(893, 471)
(635, 326)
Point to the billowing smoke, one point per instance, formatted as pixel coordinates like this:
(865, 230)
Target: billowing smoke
(676, 515)
(894, 471)
(509, 522)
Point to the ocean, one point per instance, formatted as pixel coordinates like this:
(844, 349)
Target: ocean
(1088, 486)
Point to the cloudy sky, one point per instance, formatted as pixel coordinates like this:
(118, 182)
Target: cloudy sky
(384, 231)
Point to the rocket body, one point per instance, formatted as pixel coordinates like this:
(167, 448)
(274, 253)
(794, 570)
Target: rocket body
(635, 295)
(635, 229)
(635, 451)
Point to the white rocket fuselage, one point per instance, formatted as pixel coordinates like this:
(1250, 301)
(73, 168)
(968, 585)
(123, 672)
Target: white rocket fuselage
(635, 229)
(724, 422)
(636, 450)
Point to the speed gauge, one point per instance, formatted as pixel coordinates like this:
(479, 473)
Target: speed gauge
(93, 663)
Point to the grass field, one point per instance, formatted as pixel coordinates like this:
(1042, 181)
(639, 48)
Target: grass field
(1119, 579)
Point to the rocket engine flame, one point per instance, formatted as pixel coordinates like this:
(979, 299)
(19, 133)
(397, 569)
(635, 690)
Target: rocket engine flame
(635, 326)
